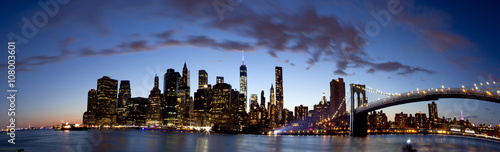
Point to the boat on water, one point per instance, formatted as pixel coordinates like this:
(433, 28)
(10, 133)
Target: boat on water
(71, 127)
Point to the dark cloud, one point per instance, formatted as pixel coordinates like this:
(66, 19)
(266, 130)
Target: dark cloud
(461, 62)
(272, 54)
(301, 30)
(165, 35)
(444, 41)
(67, 41)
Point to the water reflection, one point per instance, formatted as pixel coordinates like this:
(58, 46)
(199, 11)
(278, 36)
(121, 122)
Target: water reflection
(137, 140)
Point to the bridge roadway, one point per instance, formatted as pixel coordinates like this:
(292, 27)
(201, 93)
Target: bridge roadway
(359, 123)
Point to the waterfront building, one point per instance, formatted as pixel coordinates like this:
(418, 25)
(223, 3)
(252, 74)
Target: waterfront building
(279, 92)
(106, 101)
(153, 113)
(337, 95)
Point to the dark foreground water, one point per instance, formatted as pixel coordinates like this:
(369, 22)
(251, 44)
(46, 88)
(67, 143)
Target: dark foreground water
(137, 140)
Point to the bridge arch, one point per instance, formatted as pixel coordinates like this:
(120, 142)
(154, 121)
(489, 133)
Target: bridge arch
(358, 125)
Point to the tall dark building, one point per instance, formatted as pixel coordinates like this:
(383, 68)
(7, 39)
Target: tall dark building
(186, 103)
(433, 113)
(170, 105)
(234, 102)
(271, 108)
(337, 95)
(123, 101)
(106, 101)
(153, 114)
(201, 107)
(89, 115)
(202, 79)
(279, 92)
(124, 94)
(219, 104)
(433, 116)
(243, 79)
(92, 100)
(262, 99)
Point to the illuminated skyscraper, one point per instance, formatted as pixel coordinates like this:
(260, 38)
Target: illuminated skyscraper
(243, 79)
(321, 110)
(337, 94)
(170, 104)
(219, 111)
(433, 114)
(271, 108)
(279, 92)
(106, 101)
(202, 79)
(124, 97)
(153, 113)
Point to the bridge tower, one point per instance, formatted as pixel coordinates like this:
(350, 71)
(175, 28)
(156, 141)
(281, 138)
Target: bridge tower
(358, 121)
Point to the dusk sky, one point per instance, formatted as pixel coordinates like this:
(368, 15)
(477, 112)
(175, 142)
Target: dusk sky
(423, 44)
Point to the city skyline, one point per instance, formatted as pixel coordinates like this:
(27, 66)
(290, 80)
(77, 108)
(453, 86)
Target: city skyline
(59, 64)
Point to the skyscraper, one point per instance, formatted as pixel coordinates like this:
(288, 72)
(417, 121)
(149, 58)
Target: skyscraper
(124, 97)
(124, 94)
(153, 114)
(243, 79)
(279, 92)
(321, 110)
(92, 100)
(170, 104)
(219, 111)
(106, 101)
(262, 99)
(337, 95)
(186, 104)
(202, 79)
(89, 115)
(271, 108)
(433, 114)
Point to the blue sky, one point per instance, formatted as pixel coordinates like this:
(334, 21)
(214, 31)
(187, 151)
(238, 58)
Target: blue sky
(425, 45)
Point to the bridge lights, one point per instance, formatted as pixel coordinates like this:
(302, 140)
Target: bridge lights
(494, 82)
(487, 83)
(442, 86)
(463, 86)
(475, 85)
(481, 83)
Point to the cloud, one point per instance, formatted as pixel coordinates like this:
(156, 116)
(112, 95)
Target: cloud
(323, 38)
(461, 62)
(67, 41)
(444, 41)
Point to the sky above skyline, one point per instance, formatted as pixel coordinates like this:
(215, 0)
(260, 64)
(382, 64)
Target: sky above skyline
(418, 44)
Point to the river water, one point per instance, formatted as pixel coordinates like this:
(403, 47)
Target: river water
(140, 141)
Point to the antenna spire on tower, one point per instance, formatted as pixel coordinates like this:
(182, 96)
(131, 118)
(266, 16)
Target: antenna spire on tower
(242, 57)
